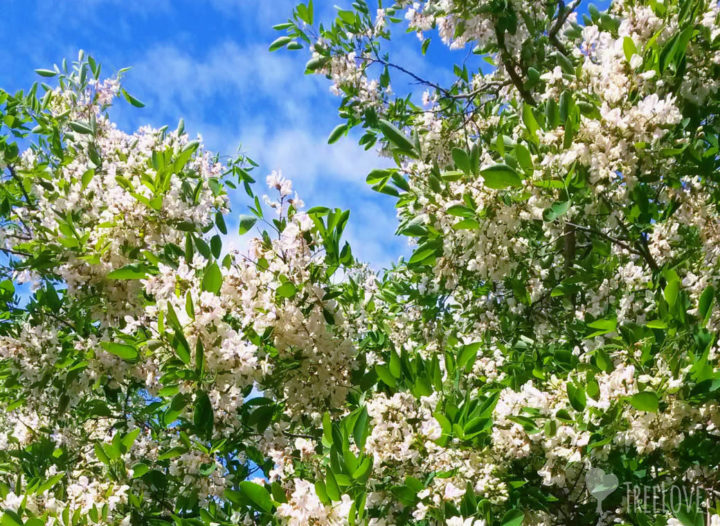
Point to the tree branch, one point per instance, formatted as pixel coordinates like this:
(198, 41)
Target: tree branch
(563, 14)
(409, 73)
(510, 66)
(20, 183)
(569, 245)
(14, 252)
(618, 242)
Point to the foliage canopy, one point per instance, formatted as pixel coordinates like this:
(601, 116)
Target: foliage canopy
(557, 315)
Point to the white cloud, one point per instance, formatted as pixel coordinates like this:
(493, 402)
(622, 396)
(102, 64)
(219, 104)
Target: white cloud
(270, 12)
(174, 79)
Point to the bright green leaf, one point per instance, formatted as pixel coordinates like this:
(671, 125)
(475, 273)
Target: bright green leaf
(645, 401)
(500, 176)
(121, 350)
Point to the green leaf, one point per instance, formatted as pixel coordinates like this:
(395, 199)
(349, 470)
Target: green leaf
(46, 72)
(422, 253)
(139, 470)
(338, 132)
(182, 348)
(405, 495)
(461, 159)
(100, 453)
(603, 361)
(524, 158)
(396, 137)
(476, 426)
(604, 326)
(121, 350)
(500, 176)
(656, 324)
(279, 42)
(360, 430)
(384, 374)
(315, 63)
(466, 224)
(246, 223)
(203, 417)
(674, 49)
(258, 495)
(629, 48)
(530, 122)
(129, 439)
(645, 401)
(331, 485)
(286, 290)
(672, 289)
(363, 469)
(566, 102)
(215, 246)
(189, 305)
(133, 271)
(212, 279)
(467, 355)
(327, 429)
(321, 492)
(461, 211)
(10, 518)
(577, 397)
(378, 177)
(132, 100)
(80, 127)
(556, 210)
(609, 323)
(220, 222)
(87, 176)
(705, 303)
(513, 518)
(445, 425)
(184, 156)
(690, 517)
(49, 483)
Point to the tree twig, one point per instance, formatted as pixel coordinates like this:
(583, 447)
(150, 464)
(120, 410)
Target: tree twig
(419, 79)
(563, 14)
(617, 241)
(510, 66)
(14, 252)
(20, 183)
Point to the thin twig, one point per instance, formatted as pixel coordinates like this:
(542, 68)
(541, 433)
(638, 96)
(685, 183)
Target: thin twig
(409, 73)
(619, 242)
(15, 252)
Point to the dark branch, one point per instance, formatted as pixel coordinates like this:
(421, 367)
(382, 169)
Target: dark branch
(619, 242)
(510, 66)
(20, 183)
(409, 73)
(14, 252)
(563, 14)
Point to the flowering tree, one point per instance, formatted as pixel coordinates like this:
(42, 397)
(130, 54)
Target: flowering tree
(127, 377)
(556, 318)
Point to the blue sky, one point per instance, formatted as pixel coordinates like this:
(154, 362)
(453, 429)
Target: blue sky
(207, 61)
